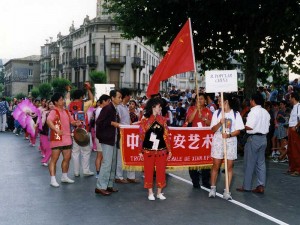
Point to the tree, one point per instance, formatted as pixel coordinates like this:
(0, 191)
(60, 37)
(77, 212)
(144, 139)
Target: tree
(60, 84)
(98, 77)
(259, 33)
(45, 90)
(35, 92)
(20, 96)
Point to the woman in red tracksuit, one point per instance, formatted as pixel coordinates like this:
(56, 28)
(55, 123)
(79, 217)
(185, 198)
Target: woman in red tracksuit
(155, 147)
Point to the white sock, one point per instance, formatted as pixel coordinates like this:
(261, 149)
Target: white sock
(53, 179)
(64, 175)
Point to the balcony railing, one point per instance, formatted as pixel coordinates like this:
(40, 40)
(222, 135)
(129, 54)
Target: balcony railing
(117, 61)
(152, 69)
(54, 50)
(137, 63)
(92, 61)
(75, 63)
(82, 62)
(66, 44)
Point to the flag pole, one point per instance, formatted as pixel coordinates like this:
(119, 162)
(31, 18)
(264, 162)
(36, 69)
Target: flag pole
(195, 69)
(224, 144)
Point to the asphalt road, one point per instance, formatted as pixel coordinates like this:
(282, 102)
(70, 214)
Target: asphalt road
(27, 198)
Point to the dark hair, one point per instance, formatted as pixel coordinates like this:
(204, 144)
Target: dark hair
(295, 95)
(77, 94)
(258, 99)
(151, 103)
(56, 96)
(233, 101)
(125, 92)
(133, 101)
(211, 96)
(113, 93)
(103, 98)
(201, 94)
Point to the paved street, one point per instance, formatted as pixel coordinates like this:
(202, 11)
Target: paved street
(27, 198)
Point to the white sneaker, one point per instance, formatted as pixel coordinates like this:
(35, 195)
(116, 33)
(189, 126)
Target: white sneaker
(89, 173)
(15, 130)
(67, 180)
(151, 197)
(227, 195)
(97, 176)
(161, 196)
(212, 192)
(54, 183)
(45, 164)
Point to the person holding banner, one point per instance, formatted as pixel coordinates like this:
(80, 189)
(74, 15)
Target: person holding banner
(155, 147)
(233, 124)
(199, 116)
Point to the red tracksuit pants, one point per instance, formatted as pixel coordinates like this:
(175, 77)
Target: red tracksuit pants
(156, 159)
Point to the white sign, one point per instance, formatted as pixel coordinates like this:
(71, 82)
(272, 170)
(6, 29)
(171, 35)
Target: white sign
(101, 89)
(221, 81)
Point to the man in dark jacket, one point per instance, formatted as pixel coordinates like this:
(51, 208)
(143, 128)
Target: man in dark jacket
(106, 131)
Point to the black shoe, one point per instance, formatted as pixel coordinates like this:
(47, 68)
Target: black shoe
(206, 185)
(196, 186)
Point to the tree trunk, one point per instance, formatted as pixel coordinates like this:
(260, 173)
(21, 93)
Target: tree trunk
(251, 67)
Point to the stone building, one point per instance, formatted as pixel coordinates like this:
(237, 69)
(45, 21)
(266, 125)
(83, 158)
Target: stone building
(97, 45)
(21, 75)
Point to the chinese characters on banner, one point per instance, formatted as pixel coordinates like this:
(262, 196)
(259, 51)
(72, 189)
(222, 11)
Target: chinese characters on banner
(191, 146)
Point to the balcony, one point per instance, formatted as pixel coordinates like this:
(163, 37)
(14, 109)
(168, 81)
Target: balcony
(75, 63)
(54, 50)
(115, 61)
(152, 69)
(82, 63)
(46, 56)
(92, 61)
(137, 63)
(66, 44)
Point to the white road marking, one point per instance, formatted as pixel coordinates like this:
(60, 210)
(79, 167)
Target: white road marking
(235, 202)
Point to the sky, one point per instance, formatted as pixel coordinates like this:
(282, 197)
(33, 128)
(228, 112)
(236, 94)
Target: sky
(26, 24)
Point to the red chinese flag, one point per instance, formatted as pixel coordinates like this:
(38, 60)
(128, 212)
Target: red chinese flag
(179, 59)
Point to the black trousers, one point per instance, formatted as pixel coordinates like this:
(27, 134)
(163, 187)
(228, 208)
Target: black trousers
(195, 176)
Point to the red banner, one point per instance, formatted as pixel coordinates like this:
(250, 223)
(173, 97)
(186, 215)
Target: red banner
(191, 147)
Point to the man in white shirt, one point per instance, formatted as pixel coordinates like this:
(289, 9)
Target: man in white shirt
(124, 120)
(294, 138)
(257, 127)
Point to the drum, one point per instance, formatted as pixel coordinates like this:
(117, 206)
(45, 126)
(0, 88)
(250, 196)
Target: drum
(81, 137)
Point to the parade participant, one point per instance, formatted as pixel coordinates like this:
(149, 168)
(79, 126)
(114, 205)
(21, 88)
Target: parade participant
(78, 109)
(233, 124)
(104, 100)
(106, 131)
(257, 127)
(124, 120)
(45, 144)
(199, 116)
(155, 147)
(294, 137)
(3, 114)
(133, 113)
(32, 137)
(59, 120)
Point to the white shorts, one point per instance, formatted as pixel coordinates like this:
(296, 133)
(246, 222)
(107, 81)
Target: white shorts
(217, 149)
(99, 149)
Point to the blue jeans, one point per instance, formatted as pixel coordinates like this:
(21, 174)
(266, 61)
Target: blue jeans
(108, 167)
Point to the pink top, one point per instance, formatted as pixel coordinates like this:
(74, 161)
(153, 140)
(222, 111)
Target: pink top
(65, 119)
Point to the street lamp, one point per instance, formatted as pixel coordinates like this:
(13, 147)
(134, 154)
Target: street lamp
(122, 75)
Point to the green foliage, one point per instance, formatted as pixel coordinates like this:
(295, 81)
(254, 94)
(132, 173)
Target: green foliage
(9, 99)
(20, 95)
(265, 32)
(98, 77)
(35, 92)
(1, 88)
(45, 90)
(60, 84)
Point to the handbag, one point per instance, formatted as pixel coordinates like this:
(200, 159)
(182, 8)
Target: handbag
(298, 128)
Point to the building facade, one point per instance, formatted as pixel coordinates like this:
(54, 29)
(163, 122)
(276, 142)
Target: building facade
(97, 45)
(21, 75)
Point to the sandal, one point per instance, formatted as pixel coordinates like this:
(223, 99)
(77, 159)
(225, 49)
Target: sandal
(295, 174)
